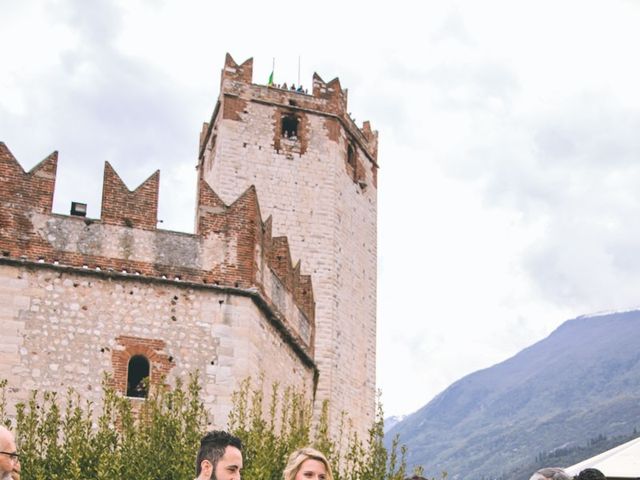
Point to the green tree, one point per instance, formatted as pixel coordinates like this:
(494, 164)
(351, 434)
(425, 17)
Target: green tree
(157, 438)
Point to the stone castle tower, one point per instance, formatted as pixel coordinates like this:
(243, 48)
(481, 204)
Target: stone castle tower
(282, 175)
(315, 173)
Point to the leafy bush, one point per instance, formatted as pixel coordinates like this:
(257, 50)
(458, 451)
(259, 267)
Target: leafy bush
(151, 439)
(157, 438)
(288, 426)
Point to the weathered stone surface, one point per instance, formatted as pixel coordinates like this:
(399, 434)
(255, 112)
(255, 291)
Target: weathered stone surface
(324, 201)
(83, 296)
(86, 325)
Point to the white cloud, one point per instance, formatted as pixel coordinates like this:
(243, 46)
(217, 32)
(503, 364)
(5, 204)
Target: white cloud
(508, 144)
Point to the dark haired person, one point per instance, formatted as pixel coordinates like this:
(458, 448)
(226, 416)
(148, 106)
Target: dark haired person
(591, 474)
(219, 457)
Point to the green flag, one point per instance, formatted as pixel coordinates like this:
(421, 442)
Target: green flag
(270, 82)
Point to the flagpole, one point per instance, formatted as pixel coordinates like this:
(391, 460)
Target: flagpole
(273, 66)
(298, 69)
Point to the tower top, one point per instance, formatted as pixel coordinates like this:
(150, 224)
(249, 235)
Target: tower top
(326, 98)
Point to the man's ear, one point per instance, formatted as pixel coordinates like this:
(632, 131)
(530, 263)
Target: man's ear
(206, 468)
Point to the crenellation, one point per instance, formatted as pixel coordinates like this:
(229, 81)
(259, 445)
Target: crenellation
(328, 99)
(133, 209)
(85, 296)
(128, 242)
(324, 201)
(27, 189)
(332, 92)
(232, 70)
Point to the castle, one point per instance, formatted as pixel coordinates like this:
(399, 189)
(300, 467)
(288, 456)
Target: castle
(282, 175)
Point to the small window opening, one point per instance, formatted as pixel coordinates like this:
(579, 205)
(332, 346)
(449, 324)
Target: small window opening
(289, 126)
(138, 377)
(351, 159)
(351, 156)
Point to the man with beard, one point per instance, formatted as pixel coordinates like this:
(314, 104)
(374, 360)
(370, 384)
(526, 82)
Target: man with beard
(219, 457)
(9, 458)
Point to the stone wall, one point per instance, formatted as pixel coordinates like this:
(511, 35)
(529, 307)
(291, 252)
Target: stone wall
(81, 296)
(320, 187)
(64, 327)
(85, 295)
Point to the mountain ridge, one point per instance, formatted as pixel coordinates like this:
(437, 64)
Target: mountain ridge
(581, 381)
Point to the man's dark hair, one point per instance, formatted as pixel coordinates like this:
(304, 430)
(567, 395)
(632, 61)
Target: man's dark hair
(591, 474)
(212, 447)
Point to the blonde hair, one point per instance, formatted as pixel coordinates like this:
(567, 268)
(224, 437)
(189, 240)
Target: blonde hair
(297, 458)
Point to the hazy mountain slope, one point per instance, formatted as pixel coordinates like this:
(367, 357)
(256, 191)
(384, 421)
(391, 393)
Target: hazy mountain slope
(391, 422)
(581, 381)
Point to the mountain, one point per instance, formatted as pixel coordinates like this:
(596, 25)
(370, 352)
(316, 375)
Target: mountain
(392, 421)
(579, 384)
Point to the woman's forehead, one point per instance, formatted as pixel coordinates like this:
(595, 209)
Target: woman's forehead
(312, 464)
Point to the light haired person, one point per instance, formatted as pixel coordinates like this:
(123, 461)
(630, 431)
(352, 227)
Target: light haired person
(307, 464)
(219, 457)
(551, 473)
(9, 458)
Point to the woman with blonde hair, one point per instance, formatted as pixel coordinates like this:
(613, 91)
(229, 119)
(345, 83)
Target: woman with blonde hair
(307, 464)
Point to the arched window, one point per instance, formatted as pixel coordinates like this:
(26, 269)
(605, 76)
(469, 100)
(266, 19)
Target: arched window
(138, 377)
(289, 126)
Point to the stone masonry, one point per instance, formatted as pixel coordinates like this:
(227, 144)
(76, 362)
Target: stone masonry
(80, 297)
(315, 173)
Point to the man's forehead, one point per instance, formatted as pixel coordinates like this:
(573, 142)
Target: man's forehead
(232, 455)
(6, 438)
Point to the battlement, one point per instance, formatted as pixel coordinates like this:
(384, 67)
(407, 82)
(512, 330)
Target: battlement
(240, 73)
(232, 246)
(242, 221)
(121, 206)
(327, 99)
(33, 189)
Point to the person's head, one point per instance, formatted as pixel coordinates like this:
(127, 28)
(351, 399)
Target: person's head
(307, 464)
(591, 474)
(550, 474)
(219, 457)
(8, 455)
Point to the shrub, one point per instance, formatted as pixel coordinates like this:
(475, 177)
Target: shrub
(157, 438)
(288, 426)
(152, 439)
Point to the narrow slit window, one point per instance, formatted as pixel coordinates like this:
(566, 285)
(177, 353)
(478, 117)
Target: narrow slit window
(351, 160)
(138, 377)
(289, 126)
(351, 156)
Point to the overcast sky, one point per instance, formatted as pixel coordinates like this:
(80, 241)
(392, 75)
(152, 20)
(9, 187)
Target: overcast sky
(509, 183)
